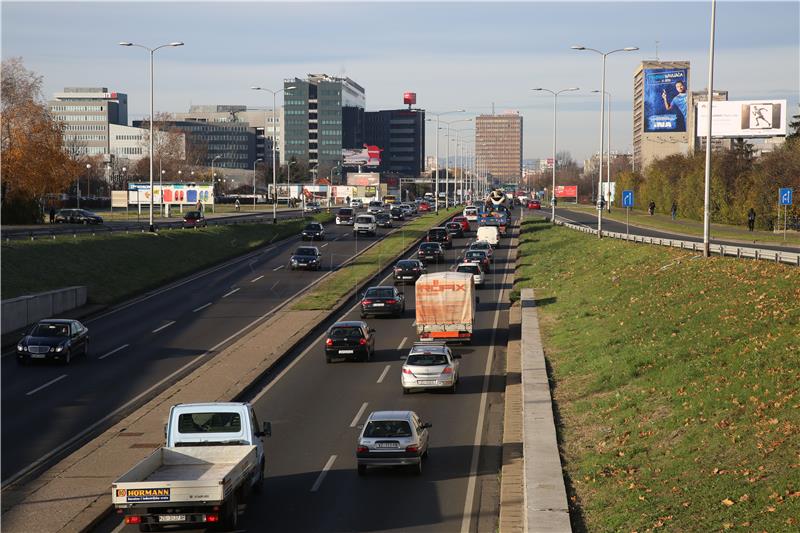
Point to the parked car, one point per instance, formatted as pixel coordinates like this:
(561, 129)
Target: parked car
(465, 227)
(430, 366)
(478, 256)
(76, 216)
(350, 340)
(430, 252)
(366, 224)
(307, 257)
(454, 229)
(478, 277)
(397, 213)
(374, 207)
(313, 230)
(383, 220)
(356, 203)
(194, 219)
(408, 270)
(393, 438)
(383, 301)
(345, 216)
(53, 339)
(534, 204)
(441, 236)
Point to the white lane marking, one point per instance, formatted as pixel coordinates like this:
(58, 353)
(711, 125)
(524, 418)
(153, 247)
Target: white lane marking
(119, 528)
(383, 374)
(201, 307)
(322, 474)
(37, 389)
(402, 342)
(165, 326)
(256, 279)
(278, 268)
(476, 443)
(324, 245)
(115, 350)
(230, 292)
(358, 414)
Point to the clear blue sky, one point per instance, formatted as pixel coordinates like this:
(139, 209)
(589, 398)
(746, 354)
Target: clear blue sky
(453, 54)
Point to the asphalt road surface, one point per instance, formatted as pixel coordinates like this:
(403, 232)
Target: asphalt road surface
(311, 482)
(139, 348)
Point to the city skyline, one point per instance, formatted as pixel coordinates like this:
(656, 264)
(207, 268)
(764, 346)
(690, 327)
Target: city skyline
(440, 60)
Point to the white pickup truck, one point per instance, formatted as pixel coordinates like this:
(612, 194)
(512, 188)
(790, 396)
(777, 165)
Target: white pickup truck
(214, 456)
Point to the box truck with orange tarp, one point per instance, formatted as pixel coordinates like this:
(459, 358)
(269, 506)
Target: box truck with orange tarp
(445, 304)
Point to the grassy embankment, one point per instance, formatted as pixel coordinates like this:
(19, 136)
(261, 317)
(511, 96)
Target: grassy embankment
(676, 380)
(117, 266)
(325, 295)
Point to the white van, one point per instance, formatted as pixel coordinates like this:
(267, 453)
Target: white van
(366, 224)
(490, 234)
(471, 214)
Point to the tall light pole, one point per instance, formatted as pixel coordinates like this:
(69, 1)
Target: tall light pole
(283, 129)
(710, 98)
(602, 118)
(447, 161)
(437, 115)
(460, 159)
(254, 181)
(288, 185)
(213, 181)
(555, 160)
(608, 152)
(152, 116)
(88, 169)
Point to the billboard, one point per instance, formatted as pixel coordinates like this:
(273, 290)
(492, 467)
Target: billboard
(665, 93)
(566, 191)
(363, 178)
(172, 193)
(369, 156)
(743, 118)
(409, 98)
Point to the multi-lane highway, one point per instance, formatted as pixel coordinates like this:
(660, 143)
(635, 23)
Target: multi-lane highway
(316, 410)
(141, 347)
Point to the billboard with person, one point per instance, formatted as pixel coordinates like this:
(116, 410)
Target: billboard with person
(665, 99)
(743, 118)
(171, 193)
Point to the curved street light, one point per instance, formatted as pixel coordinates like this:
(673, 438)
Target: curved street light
(437, 115)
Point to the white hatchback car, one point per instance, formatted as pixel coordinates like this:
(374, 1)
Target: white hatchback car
(430, 366)
(475, 269)
(356, 203)
(392, 438)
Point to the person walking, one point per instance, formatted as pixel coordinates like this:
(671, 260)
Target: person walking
(674, 209)
(751, 219)
(52, 214)
(651, 207)
(236, 205)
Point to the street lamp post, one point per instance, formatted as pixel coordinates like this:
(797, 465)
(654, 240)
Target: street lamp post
(437, 115)
(602, 118)
(710, 99)
(274, 168)
(78, 192)
(152, 117)
(213, 181)
(254, 181)
(447, 162)
(555, 161)
(288, 182)
(608, 153)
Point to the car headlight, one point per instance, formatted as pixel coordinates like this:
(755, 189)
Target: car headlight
(59, 348)
(294, 261)
(21, 347)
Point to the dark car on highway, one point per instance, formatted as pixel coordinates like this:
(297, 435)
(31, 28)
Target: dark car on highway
(441, 236)
(397, 213)
(478, 256)
(308, 257)
(312, 231)
(408, 270)
(350, 340)
(454, 229)
(383, 220)
(55, 340)
(345, 216)
(76, 216)
(194, 219)
(430, 252)
(383, 301)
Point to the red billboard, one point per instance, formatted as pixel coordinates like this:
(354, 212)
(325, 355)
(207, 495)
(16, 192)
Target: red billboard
(566, 191)
(409, 98)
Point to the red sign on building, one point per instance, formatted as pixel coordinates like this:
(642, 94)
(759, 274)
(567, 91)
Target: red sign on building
(409, 98)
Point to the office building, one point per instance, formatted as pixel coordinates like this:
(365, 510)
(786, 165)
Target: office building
(133, 144)
(660, 110)
(498, 145)
(86, 113)
(401, 135)
(317, 121)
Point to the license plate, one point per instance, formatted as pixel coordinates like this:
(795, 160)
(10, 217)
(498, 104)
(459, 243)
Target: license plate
(172, 518)
(408, 277)
(377, 305)
(345, 351)
(386, 445)
(426, 382)
(38, 356)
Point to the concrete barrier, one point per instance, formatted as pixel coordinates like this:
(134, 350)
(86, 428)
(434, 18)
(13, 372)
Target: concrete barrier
(24, 310)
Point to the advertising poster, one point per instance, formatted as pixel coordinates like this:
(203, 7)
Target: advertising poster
(743, 118)
(566, 191)
(171, 193)
(369, 156)
(363, 178)
(665, 99)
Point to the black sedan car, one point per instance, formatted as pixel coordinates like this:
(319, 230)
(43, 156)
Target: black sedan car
(430, 252)
(441, 236)
(383, 220)
(383, 301)
(312, 231)
(397, 213)
(350, 340)
(194, 219)
(55, 340)
(478, 256)
(76, 216)
(454, 229)
(408, 270)
(307, 257)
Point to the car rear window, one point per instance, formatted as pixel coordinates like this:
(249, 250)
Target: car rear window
(343, 332)
(453, 225)
(377, 429)
(380, 293)
(438, 232)
(472, 269)
(210, 423)
(429, 246)
(426, 359)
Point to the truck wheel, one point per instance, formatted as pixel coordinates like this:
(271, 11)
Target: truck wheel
(231, 521)
(258, 486)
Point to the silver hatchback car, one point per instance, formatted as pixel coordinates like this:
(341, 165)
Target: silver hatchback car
(393, 438)
(430, 366)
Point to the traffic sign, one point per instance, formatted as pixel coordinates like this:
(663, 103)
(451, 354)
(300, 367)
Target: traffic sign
(627, 198)
(785, 196)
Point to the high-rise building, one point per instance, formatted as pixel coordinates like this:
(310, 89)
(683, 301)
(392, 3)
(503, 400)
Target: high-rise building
(133, 144)
(699, 143)
(322, 114)
(498, 145)
(400, 133)
(660, 110)
(86, 113)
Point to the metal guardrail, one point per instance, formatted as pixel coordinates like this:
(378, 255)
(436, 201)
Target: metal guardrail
(724, 250)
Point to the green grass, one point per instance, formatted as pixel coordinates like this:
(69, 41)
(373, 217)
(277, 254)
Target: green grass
(677, 382)
(117, 266)
(132, 214)
(691, 227)
(338, 284)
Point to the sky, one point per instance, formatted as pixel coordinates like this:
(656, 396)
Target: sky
(476, 56)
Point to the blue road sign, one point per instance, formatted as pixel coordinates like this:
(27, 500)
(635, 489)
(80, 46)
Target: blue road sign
(627, 198)
(785, 196)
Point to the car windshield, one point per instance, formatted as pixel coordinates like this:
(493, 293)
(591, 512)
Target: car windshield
(437, 232)
(426, 359)
(382, 292)
(306, 251)
(375, 204)
(377, 429)
(407, 264)
(480, 245)
(50, 330)
(454, 225)
(429, 247)
(364, 220)
(313, 226)
(210, 423)
(472, 269)
(382, 216)
(347, 212)
(193, 214)
(343, 332)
